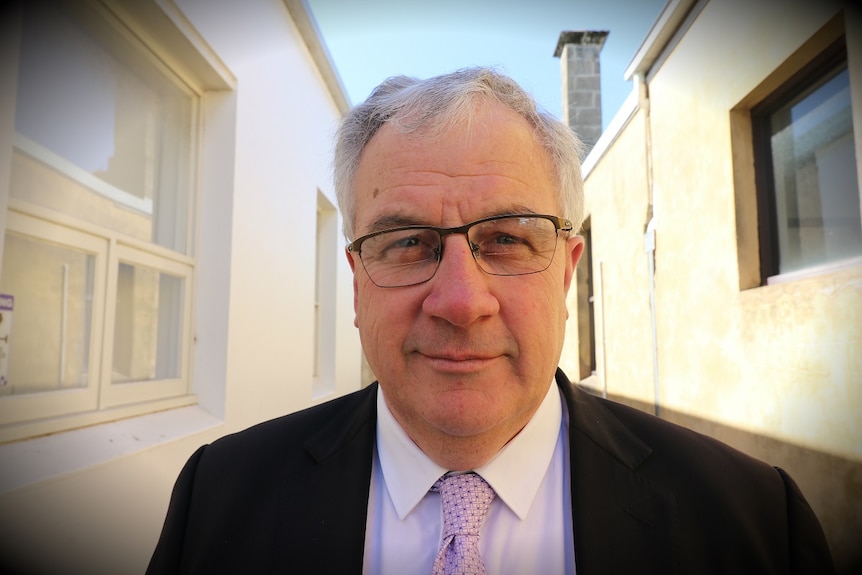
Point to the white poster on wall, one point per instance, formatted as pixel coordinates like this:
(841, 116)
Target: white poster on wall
(7, 305)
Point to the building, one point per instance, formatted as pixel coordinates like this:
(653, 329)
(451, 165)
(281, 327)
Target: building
(173, 271)
(173, 265)
(722, 282)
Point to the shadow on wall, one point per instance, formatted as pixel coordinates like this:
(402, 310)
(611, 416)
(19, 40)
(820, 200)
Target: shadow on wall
(831, 484)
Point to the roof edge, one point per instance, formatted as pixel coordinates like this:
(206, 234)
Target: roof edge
(660, 35)
(311, 36)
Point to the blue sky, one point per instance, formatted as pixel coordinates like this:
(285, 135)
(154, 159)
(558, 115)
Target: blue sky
(370, 40)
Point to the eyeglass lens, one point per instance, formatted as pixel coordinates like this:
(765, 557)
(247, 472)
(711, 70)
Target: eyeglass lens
(507, 246)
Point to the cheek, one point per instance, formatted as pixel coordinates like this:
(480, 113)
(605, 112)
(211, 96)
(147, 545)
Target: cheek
(371, 335)
(384, 318)
(547, 297)
(368, 312)
(537, 321)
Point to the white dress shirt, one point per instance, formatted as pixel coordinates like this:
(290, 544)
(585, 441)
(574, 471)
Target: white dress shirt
(529, 525)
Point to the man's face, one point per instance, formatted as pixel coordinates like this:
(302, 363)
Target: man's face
(465, 355)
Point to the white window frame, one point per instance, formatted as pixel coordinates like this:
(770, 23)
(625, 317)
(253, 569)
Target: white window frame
(179, 50)
(15, 409)
(112, 394)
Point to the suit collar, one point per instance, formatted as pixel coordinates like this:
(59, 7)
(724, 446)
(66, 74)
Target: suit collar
(591, 418)
(358, 415)
(324, 501)
(622, 519)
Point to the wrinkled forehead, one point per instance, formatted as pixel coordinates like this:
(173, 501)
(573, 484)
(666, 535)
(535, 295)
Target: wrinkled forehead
(417, 121)
(467, 123)
(484, 164)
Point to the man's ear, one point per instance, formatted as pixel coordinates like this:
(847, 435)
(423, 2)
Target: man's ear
(352, 264)
(574, 248)
(350, 260)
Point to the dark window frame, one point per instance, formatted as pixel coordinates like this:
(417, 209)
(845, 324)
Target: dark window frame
(810, 75)
(587, 365)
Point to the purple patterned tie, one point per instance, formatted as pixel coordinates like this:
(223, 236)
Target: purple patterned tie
(466, 499)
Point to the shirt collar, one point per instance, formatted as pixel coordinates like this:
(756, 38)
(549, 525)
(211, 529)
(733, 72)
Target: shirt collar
(407, 472)
(515, 473)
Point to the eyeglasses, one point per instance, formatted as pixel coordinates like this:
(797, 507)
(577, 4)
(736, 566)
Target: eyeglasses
(507, 245)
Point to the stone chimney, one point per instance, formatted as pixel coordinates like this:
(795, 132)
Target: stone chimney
(582, 92)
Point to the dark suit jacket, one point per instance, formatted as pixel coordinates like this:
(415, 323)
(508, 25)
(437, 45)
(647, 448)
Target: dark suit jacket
(290, 496)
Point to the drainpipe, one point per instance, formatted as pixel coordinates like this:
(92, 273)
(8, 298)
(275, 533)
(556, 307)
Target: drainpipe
(650, 230)
(64, 314)
(649, 247)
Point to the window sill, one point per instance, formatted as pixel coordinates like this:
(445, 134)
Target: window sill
(34, 460)
(815, 271)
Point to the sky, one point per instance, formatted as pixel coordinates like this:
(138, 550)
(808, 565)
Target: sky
(370, 40)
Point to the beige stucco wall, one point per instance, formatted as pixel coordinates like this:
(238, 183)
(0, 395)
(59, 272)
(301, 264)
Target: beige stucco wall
(617, 204)
(783, 360)
(774, 370)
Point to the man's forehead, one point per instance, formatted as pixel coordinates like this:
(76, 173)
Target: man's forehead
(490, 165)
(488, 142)
(481, 117)
(407, 217)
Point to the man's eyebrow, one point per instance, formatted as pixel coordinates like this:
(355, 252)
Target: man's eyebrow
(389, 221)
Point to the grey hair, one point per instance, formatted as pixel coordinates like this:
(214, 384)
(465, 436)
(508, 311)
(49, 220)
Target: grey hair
(428, 107)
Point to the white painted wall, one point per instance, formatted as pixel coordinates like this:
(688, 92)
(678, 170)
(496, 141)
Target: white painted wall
(93, 500)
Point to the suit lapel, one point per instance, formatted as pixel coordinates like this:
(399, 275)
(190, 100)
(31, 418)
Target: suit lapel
(622, 522)
(324, 511)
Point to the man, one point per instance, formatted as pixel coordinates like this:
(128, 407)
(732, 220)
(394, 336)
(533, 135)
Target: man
(461, 201)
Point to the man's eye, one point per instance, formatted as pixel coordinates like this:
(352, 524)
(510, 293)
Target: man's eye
(508, 239)
(403, 244)
(410, 242)
(505, 245)
(404, 248)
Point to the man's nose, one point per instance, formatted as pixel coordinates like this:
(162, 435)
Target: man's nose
(460, 292)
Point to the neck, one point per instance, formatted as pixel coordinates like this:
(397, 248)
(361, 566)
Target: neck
(457, 455)
(462, 453)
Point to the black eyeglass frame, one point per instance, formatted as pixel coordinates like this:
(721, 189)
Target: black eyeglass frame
(561, 224)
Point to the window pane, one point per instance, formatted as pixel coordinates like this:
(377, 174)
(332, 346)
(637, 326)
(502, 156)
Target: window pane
(814, 171)
(117, 128)
(49, 336)
(147, 325)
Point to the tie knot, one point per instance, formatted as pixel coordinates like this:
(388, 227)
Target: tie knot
(466, 499)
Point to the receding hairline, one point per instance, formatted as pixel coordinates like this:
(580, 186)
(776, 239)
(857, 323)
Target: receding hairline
(483, 110)
(480, 105)
(423, 108)
(474, 110)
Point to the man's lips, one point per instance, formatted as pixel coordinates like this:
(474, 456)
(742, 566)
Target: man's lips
(458, 361)
(458, 355)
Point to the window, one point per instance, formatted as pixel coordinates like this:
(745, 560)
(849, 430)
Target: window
(586, 308)
(805, 166)
(98, 259)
